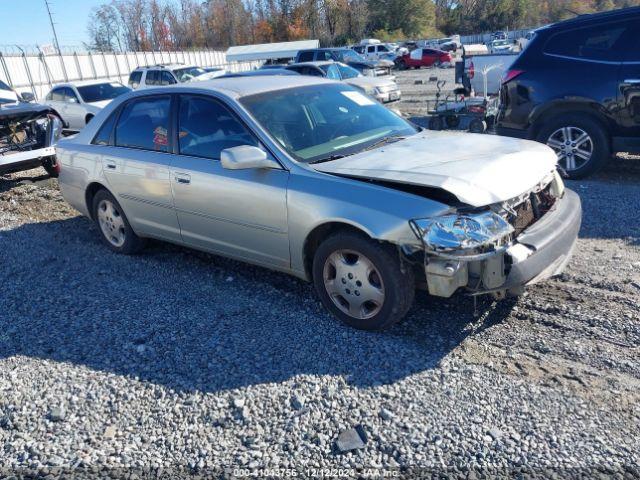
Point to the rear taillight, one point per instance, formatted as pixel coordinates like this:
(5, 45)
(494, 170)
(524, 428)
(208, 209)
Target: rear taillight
(471, 72)
(511, 75)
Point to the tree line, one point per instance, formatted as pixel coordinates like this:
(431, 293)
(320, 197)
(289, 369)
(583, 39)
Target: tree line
(119, 25)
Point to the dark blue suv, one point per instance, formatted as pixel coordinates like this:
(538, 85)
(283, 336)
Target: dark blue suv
(576, 87)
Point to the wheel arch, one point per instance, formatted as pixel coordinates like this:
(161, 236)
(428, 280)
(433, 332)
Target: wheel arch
(90, 193)
(315, 237)
(561, 107)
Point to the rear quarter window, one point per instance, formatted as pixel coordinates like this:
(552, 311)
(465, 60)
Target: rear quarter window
(597, 43)
(103, 137)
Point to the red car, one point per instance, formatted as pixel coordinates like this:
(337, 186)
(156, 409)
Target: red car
(423, 57)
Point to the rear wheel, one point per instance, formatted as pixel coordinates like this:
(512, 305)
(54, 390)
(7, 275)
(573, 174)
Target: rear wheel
(436, 123)
(580, 142)
(114, 227)
(361, 282)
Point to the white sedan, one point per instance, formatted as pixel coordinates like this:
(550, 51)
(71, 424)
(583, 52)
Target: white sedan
(78, 102)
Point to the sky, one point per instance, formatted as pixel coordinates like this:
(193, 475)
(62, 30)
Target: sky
(25, 22)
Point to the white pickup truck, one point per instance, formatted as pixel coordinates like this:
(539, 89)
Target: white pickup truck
(483, 73)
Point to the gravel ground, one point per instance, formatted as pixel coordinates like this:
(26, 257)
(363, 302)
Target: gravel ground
(176, 361)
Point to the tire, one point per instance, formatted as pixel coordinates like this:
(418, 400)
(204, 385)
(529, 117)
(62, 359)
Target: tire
(436, 123)
(51, 166)
(452, 121)
(477, 126)
(401, 64)
(571, 157)
(112, 223)
(347, 267)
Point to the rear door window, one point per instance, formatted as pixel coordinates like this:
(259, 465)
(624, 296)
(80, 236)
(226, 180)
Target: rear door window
(166, 78)
(69, 95)
(134, 79)
(306, 57)
(153, 77)
(56, 95)
(599, 43)
(206, 127)
(144, 123)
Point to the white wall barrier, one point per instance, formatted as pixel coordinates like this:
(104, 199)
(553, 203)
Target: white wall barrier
(35, 72)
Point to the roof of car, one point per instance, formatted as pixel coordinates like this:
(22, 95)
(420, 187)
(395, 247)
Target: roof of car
(259, 73)
(318, 63)
(252, 85)
(165, 66)
(84, 83)
(591, 17)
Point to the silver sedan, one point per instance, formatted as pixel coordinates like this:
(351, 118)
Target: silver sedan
(314, 178)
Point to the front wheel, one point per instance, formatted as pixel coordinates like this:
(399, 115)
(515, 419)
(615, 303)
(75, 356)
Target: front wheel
(580, 142)
(362, 282)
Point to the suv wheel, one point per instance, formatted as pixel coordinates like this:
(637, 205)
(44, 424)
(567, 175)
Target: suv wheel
(114, 227)
(361, 282)
(580, 142)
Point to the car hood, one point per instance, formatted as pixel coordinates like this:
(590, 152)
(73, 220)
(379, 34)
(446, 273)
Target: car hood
(364, 82)
(478, 169)
(100, 104)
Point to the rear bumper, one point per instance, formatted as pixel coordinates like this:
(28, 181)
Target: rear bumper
(552, 240)
(387, 97)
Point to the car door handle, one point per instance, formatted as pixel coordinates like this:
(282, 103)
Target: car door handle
(183, 178)
(110, 165)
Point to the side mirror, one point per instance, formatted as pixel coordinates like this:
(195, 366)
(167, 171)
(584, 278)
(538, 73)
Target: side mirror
(73, 100)
(245, 157)
(27, 97)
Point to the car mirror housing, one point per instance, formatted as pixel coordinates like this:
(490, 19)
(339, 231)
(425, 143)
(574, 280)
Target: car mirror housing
(246, 157)
(27, 97)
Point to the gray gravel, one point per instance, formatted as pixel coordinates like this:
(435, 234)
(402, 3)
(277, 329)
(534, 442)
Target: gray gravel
(175, 359)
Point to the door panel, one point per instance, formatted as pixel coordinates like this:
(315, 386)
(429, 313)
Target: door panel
(137, 167)
(240, 213)
(140, 181)
(629, 91)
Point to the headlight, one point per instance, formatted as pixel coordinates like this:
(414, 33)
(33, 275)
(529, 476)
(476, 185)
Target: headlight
(368, 72)
(461, 232)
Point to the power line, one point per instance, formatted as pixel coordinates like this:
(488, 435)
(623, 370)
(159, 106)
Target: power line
(53, 27)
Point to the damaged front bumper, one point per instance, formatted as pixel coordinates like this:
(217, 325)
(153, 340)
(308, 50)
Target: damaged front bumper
(28, 134)
(539, 252)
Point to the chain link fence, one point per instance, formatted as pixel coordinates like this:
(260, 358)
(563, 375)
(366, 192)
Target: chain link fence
(27, 68)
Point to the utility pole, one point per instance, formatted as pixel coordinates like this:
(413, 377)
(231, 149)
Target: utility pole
(53, 27)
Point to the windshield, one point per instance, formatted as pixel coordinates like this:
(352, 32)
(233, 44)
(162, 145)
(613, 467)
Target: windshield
(349, 56)
(347, 72)
(102, 91)
(500, 43)
(320, 122)
(331, 70)
(186, 74)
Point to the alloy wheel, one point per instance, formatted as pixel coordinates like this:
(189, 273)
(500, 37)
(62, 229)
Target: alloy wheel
(573, 146)
(111, 223)
(354, 284)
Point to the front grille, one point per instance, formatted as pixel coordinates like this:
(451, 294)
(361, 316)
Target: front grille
(532, 209)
